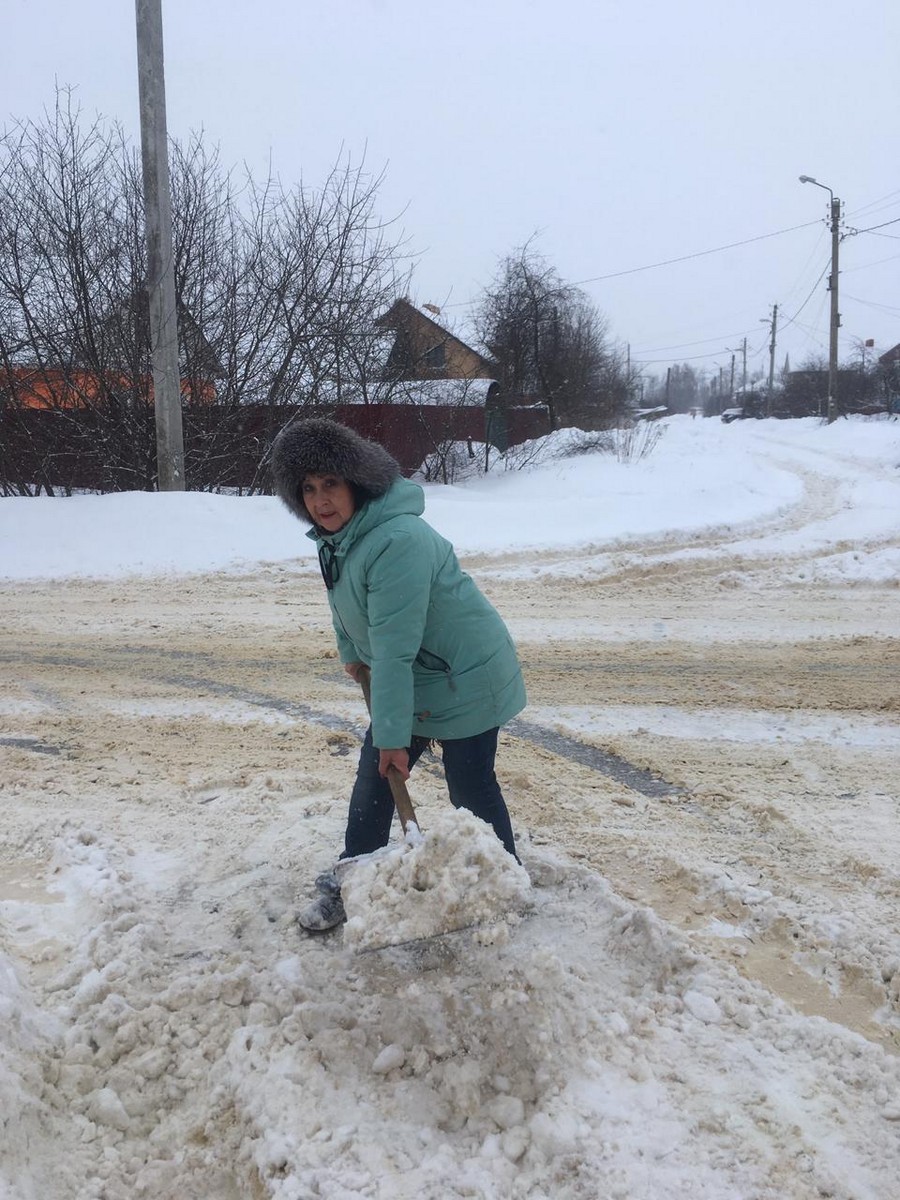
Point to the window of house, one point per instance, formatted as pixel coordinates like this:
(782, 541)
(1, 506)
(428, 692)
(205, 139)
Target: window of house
(436, 358)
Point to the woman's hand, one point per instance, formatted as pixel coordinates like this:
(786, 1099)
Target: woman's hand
(393, 758)
(399, 759)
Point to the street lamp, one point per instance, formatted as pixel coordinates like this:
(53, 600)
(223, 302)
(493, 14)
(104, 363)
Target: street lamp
(835, 221)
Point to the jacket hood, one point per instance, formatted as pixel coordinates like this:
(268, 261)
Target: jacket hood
(316, 446)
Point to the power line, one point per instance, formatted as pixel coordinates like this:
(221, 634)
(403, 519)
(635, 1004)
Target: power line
(876, 263)
(700, 342)
(716, 353)
(871, 228)
(649, 362)
(873, 204)
(812, 292)
(668, 262)
(888, 308)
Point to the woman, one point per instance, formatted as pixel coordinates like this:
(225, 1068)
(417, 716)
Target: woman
(443, 666)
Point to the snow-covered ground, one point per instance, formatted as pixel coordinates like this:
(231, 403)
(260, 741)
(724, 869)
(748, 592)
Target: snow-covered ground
(702, 477)
(704, 999)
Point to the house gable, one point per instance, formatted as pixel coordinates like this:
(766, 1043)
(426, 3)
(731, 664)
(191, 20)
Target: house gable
(424, 349)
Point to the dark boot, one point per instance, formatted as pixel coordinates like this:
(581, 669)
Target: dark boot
(327, 910)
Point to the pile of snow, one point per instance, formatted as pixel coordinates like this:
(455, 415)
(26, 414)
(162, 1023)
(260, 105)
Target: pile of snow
(24, 1031)
(456, 876)
(595, 1054)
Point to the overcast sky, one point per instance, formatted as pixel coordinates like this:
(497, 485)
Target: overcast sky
(617, 133)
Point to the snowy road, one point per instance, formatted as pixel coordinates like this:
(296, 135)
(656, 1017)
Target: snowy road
(705, 1002)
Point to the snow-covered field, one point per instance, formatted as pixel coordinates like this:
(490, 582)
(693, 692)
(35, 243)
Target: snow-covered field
(704, 1000)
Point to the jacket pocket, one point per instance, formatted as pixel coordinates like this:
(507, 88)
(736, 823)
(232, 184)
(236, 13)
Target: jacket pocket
(434, 663)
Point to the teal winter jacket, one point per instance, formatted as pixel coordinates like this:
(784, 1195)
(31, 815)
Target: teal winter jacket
(443, 664)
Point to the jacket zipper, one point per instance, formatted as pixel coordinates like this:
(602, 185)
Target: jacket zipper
(442, 666)
(335, 609)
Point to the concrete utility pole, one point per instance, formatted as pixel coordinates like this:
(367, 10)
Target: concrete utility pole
(160, 262)
(772, 360)
(743, 352)
(835, 322)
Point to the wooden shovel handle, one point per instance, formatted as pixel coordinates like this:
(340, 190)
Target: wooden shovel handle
(402, 802)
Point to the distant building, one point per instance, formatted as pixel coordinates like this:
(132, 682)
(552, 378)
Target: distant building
(423, 349)
(49, 388)
(83, 387)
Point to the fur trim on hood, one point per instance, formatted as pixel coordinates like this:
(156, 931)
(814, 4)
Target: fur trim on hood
(315, 446)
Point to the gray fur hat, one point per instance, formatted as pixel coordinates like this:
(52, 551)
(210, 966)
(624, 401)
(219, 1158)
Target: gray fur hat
(316, 446)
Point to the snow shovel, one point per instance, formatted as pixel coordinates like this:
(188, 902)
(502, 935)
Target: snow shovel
(411, 835)
(402, 802)
(405, 898)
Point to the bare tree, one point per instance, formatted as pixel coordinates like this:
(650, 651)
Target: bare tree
(277, 292)
(550, 343)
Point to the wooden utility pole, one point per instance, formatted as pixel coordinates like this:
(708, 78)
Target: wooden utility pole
(160, 262)
(772, 360)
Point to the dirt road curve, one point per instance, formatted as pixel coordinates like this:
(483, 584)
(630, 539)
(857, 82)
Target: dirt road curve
(767, 700)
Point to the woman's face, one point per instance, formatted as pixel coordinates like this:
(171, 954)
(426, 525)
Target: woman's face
(328, 500)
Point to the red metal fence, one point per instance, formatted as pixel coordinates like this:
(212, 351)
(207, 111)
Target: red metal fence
(225, 448)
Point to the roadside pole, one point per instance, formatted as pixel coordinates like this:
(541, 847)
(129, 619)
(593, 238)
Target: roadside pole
(772, 360)
(160, 263)
(835, 321)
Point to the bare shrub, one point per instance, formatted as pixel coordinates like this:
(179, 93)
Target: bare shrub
(634, 443)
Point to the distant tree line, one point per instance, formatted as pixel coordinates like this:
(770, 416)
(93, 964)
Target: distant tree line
(864, 384)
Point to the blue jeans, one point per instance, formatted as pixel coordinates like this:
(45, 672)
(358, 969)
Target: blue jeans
(469, 769)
